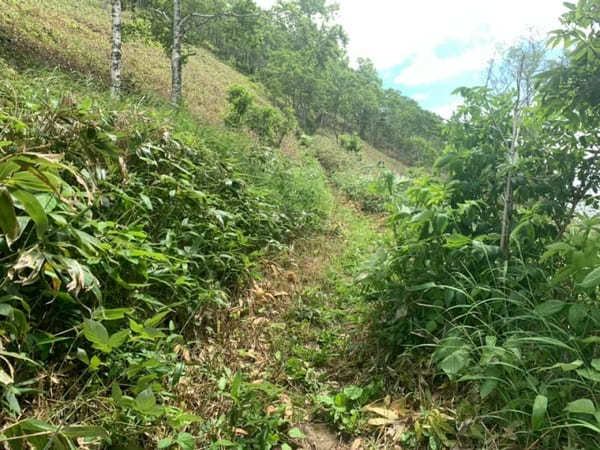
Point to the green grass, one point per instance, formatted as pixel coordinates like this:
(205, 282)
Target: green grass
(75, 36)
(151, 222)
(261, 321)
(365, 177)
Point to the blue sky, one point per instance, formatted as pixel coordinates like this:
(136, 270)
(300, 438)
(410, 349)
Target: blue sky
(427, 48)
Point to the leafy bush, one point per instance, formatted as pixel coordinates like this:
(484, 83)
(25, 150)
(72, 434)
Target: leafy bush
(240, 100)
(306, 141)
(350, 143)
(521, 330)
(270, 124)
(121, 226)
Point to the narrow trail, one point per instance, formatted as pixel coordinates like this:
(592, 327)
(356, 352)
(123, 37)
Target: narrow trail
(299, 329)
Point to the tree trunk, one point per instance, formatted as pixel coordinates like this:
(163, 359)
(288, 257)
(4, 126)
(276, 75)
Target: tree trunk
(176, 78)
(115, 57)
(512, 154)
(506, 216)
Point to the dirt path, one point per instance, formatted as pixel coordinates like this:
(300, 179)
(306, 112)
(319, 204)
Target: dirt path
(297, 329)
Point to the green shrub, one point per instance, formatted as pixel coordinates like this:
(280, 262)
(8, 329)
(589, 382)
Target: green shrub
(350, 143)
(521, 331)
(306, 141)
(119, 225)
(270, 124)
(241, 100)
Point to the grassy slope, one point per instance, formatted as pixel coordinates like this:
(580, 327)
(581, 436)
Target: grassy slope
(74, 35)
(321, 310)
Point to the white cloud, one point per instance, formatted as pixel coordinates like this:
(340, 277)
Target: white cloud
(446, 111)
(392, 31)
(403, 33)
(427, 67)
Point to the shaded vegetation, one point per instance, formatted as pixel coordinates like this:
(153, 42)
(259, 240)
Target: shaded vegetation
(122, 226)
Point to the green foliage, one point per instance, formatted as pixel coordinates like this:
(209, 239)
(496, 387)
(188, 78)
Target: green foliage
(345, 408)
(369, 184)
(519, 328)
(270, 124)
(350, 143)
(262, 430)
(305, 140)
(119, 226)
(241, 100)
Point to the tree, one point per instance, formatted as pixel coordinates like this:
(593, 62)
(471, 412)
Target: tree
(515, 74)
(572, 86)
(172, 21)
(116, 53)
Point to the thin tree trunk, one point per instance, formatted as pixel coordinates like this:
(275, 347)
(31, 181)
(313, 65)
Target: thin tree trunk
(508, 191)
(176, 78)
(116, 53)
(506, 216)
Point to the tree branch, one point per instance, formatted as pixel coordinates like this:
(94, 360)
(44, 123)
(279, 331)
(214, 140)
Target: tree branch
(163, 15)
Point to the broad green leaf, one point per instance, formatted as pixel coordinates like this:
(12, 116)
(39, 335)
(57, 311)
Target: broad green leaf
(295, 433)
(235, 386)
(589, 374)
(550, 307)
(117, 339)
(592, 280)
(577, 315)
(165, 443)
(8, 217)
(34, 209)
(538, 413)
(82, 431)
(116, 393)
(581, 406)
(111, 314)
(186, 441)
(7, 169)
(97, 335)
(353, 392)
(225, 443)
(487, 388)
(155, 320)
(147, 201)
(31, 182)
(596, 364)
(95, 363)
(455, 362)
(145, 402)
(566, 367)
(457, 241)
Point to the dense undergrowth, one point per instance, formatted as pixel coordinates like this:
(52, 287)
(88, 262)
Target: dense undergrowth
(122, 226)
(515, 332)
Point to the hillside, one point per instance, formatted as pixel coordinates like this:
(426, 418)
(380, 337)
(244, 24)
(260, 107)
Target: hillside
(247, 269)
(160, 234)
(74, 36)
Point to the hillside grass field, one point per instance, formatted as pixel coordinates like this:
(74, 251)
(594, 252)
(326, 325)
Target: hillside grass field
(232, 273)
(219, 373)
